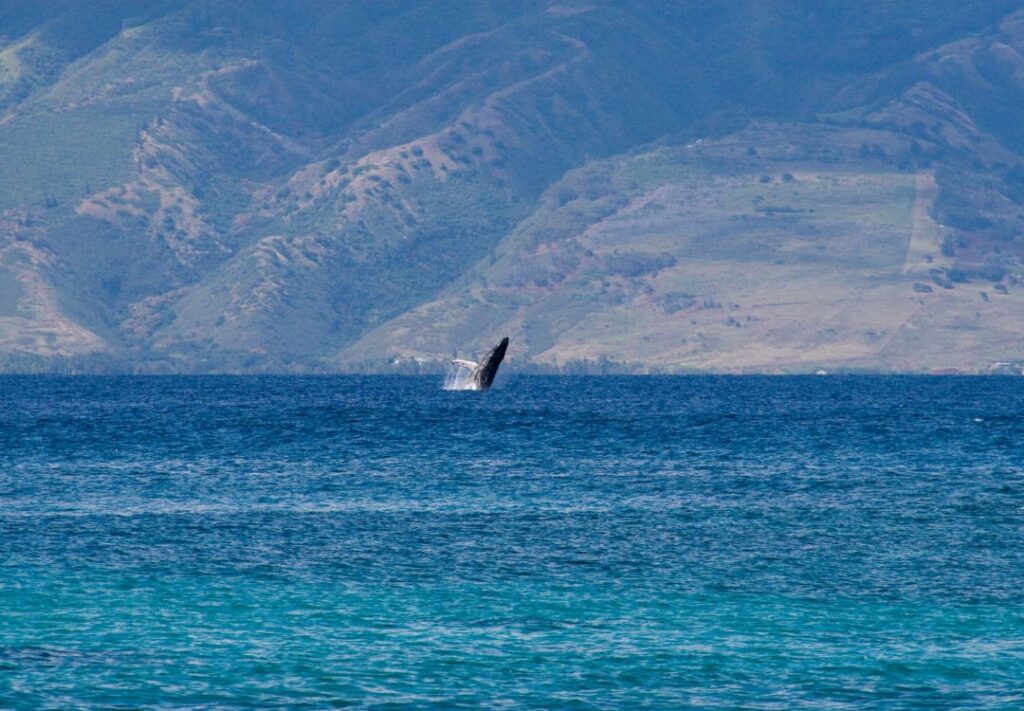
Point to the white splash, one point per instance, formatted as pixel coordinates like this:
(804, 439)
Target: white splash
(459, 378)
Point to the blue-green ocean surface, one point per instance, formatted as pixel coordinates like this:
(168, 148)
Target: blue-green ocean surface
(623, 542)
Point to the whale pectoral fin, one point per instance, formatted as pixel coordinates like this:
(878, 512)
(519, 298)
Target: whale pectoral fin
(468, 364)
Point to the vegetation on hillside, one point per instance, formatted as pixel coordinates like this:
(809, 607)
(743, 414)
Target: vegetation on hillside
(320, 185)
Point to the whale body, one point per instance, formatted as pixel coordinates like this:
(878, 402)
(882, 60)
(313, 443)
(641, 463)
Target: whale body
(482, 373)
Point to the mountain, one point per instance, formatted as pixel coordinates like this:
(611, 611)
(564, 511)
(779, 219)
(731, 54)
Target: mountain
(313, 186)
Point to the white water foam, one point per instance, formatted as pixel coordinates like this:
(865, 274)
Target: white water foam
(459, 378)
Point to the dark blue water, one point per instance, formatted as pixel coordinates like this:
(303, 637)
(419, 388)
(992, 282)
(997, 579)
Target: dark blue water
(581, 543)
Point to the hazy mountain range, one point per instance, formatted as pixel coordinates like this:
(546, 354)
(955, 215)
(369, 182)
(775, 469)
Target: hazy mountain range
(744, 185)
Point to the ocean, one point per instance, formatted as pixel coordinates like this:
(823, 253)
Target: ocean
(591, 542)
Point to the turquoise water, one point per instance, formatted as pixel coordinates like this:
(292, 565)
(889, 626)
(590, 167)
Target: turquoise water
(560, 542)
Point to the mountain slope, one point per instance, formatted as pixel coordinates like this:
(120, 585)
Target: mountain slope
(221, 185)
(888, 235)
(777, 248)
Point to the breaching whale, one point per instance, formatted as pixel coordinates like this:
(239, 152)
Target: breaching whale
(482, 373)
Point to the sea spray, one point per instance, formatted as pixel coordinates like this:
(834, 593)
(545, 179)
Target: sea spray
(459, 378)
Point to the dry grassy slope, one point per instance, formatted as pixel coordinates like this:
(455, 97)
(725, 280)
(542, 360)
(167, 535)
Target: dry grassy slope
(126, 208)
(349, 241)
(778, 248)
(216, 185)
(265, 204)
(32, 319)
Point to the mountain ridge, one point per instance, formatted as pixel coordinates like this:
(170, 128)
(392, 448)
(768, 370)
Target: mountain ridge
(239, 187)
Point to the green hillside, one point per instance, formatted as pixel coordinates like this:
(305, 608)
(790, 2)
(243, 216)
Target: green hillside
(787, 185)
